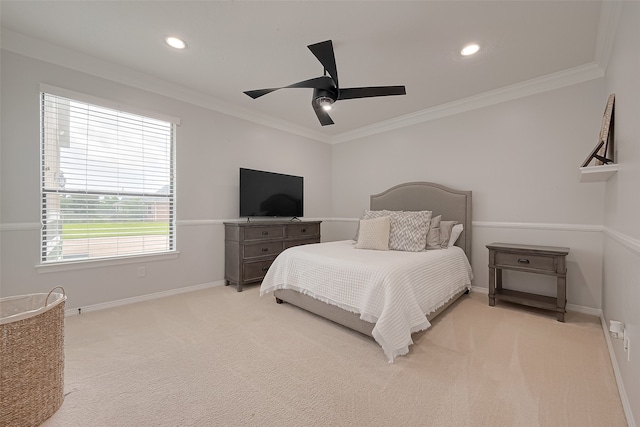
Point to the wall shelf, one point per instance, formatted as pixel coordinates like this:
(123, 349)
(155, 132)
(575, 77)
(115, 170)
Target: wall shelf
(597, 173)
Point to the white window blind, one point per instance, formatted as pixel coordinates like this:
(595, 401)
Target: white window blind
(108, 184)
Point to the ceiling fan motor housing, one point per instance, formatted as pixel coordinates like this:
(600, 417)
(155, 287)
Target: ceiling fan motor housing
(322, 96)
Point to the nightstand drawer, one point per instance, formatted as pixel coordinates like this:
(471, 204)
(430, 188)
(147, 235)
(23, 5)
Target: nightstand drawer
(256, 270)
(301, 230)
(526, 261)
(262, 249)
(264, 232)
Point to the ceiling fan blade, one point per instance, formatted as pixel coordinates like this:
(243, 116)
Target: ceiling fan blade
(322, 82)
(367, 92)
(324, 52)
(259, 92)
(323, 116)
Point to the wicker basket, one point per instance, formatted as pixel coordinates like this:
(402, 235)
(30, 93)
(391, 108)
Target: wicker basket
(31, 357)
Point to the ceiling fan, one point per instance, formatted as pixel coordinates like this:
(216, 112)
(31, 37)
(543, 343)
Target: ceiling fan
(326, 90)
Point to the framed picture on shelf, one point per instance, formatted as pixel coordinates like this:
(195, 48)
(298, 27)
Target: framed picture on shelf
(604, 152)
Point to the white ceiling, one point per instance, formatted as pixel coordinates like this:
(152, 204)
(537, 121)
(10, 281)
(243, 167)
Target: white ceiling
(239, 45)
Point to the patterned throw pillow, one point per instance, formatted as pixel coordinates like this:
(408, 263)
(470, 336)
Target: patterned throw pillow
(374, 234)
(409, 230)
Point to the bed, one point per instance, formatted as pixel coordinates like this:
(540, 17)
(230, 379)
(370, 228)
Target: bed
(381, 294)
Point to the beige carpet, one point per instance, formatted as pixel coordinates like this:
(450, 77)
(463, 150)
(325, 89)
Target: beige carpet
(221, 358)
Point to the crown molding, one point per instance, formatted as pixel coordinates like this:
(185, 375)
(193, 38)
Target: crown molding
(61, 56)
(546, 83)
(607, 26)
(48, 52)
(609, 16)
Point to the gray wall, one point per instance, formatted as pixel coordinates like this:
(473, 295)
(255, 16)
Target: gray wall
(210, 149)
(621, 297)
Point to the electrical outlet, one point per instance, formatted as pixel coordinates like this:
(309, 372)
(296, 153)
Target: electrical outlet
(142, 271)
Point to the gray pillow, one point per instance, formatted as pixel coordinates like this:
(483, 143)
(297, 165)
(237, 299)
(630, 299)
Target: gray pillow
(433, 236)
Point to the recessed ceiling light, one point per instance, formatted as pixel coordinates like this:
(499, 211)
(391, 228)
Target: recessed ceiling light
(470, 49)
(175, 42)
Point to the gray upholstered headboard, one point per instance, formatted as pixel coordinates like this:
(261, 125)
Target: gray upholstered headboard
(453, 205)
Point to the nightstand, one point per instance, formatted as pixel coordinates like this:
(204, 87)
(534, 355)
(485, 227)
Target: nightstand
(549, 260)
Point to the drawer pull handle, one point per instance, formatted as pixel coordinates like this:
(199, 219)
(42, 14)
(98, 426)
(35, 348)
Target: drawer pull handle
(265, 268)
(523, 261)
(304, 230)
(265, 249)
(265, 233)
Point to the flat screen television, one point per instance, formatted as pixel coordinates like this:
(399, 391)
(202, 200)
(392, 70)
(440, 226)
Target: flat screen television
(270, 194)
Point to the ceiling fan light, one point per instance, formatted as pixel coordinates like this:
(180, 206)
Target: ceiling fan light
(325, 102)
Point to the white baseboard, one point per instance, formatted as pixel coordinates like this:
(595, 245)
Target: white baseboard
(95, 307)
(584, 310)
(570, 307)
(616, 371)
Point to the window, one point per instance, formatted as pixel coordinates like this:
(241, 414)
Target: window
(108, 183)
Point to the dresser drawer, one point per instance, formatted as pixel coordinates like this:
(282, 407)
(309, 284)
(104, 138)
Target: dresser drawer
(301, 230)
(264, 232)
(292, 243)
(255, 270)
(262, 249)
(525, 261)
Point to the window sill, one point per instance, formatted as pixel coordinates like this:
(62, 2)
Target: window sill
(105, 262)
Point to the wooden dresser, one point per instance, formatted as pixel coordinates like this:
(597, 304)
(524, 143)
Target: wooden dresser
(251, 247)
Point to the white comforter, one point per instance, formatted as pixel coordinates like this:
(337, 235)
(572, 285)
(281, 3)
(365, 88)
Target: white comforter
(393, 289)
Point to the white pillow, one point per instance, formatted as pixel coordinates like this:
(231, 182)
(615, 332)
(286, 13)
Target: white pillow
(374, 234)
(445, 232)
(455, 233)
(367, 214)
